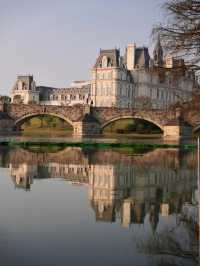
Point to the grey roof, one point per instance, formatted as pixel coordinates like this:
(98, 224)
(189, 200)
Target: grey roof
(142, 57)
(44, 89)
(112, 54)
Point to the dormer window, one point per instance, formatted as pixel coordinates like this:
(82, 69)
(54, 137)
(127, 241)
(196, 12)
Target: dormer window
(104, 61)
(110, 63)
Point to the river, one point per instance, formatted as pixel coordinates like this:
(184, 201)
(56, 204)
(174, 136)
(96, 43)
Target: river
(87, 206)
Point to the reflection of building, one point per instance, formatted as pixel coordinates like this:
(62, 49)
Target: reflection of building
(23, 175)
(105, 189)
(119, 186)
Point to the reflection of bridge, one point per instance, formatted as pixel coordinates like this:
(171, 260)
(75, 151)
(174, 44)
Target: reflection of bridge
(119, 184)
(149, 190)
(175, 122)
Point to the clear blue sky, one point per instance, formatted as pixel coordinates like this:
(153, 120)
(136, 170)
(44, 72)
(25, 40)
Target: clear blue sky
(58, 40)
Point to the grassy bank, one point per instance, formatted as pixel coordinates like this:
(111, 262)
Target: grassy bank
(46, 132)
(131, 126)
(126, 146)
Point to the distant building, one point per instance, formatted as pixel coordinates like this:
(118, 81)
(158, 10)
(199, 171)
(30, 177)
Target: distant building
(25, 90)
(132, 80)
(112, 82)
(136, 80)
(66, 96)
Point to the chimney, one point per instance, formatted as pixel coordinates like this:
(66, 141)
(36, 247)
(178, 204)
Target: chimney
(131, 56)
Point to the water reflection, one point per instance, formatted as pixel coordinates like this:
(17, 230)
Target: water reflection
(153, 194)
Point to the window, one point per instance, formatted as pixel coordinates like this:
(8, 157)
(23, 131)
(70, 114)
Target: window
(150, 92)
(110, 75)
(158, 93)
(109, 62)
(104, 61)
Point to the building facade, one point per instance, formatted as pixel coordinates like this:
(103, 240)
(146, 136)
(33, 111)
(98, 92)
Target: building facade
(25, 91)
(136, 80)
(112, 83)
(132, 80)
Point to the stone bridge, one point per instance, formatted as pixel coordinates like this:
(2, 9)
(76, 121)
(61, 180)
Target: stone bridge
(86, 120)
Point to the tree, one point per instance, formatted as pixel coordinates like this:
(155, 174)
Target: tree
(5, 99)
(180, 33)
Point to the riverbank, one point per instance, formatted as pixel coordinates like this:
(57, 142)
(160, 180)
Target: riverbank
(120, 143)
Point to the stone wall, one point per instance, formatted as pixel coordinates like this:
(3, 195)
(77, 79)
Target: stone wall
(167, 120)
(19, 112)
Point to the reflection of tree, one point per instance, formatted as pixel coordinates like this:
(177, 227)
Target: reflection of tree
(167, 248)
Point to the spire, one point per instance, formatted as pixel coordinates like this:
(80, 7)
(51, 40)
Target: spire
(158, 53)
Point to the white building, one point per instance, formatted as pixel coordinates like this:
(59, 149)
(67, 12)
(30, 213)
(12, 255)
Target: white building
(112, 83)
(25, 90)
(136, 80)
(133, 80)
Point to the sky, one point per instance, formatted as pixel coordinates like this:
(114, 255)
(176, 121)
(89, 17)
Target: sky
(58, 41)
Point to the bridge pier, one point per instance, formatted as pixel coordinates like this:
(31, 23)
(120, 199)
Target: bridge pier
(88, 126)
(176, 130)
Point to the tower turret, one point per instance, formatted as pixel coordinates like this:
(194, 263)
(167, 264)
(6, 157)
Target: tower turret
(158, 53)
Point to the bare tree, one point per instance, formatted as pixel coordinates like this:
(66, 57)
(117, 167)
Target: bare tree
(180, 33)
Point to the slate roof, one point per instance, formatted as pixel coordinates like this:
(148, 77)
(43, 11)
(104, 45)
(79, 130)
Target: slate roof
(112, 54)
(142, 57)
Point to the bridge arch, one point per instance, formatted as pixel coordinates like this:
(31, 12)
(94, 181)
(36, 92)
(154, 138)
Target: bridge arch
(132, 117)
(23, 118)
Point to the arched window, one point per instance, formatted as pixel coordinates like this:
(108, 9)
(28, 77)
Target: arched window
(104, 61)
(20, 85)
(109, 63)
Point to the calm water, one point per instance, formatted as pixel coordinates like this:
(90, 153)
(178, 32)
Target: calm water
(98, 207)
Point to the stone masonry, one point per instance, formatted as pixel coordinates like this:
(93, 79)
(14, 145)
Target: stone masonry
(85, 120)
